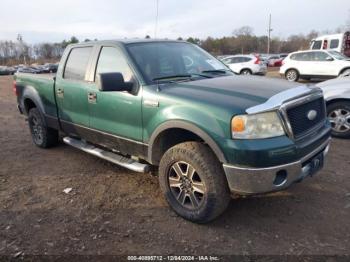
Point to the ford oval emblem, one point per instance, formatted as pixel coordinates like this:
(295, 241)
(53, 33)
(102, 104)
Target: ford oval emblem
(311, 115)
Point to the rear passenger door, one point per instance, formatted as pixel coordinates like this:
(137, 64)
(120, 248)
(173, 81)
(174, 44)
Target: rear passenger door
(304, 63)
(235, 64)
(71, 90)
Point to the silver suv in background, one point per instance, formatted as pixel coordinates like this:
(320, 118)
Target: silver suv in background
(245, 64)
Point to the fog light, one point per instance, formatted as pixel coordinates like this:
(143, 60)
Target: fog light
(281, 178)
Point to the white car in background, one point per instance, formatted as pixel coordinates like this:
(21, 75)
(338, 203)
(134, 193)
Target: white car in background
(315, 64)
(337, 96)
(245, 65)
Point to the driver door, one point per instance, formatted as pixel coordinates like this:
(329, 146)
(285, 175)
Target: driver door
(322, 64)
(115, 115)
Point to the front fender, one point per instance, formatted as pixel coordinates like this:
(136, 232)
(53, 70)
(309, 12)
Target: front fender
(209, 128)
(338, 92)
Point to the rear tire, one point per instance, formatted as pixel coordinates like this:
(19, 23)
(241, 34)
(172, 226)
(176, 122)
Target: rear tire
(193, 182)
(246, 72)
(339, 115)
(42, 135)
(292, 75)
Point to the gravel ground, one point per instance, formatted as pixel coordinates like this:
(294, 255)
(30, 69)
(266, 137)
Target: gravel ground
(113, 211)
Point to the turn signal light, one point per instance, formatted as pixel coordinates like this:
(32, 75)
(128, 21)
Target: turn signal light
(238, 124)
(257, 61)
(15, 88)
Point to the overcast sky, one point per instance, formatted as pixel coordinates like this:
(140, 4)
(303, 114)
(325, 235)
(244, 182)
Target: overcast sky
(43, 20)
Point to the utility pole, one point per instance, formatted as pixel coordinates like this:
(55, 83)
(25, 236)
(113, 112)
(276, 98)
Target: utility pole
(156, 25)
(269, 35)
(22, 46)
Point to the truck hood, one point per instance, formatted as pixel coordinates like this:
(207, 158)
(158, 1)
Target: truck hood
(232, 92)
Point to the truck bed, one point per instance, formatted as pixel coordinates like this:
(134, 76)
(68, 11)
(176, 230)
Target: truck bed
(42, 85)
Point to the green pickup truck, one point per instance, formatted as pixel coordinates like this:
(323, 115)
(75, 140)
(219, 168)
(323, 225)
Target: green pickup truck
(144, 104)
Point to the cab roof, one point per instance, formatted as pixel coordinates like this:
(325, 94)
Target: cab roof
(128, 41)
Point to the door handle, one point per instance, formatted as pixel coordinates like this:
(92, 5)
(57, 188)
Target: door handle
(92, 97)
(60, 92)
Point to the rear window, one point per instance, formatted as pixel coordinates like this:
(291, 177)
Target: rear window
(77, 63)
(236, 60)
(302, 56)
(246, 59)
(334, 43)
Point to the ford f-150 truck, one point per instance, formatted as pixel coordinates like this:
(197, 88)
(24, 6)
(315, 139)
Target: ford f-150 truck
(146, 103)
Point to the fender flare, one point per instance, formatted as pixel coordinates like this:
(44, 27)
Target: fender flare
(30, 92)
(188, 127)
(291, 68)
(343, 70)
(245, 68)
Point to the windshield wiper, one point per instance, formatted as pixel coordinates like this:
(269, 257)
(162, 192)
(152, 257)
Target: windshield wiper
(220, 71)
(205, 76)
(170, 77)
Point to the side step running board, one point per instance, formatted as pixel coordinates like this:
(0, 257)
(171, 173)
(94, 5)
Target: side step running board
(106, 155)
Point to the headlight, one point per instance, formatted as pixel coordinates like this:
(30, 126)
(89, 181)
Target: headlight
(263, 125)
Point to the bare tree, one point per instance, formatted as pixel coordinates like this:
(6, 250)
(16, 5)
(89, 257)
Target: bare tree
(243, 31)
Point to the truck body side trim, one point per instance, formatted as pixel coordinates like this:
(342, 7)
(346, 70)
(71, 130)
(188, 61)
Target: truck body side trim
(107, 140)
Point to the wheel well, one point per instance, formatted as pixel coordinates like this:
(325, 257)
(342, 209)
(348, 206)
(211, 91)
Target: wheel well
(246, 69)
(292, 69)
(337, 100)
(169, 138)
(28, 104)
(342, 71)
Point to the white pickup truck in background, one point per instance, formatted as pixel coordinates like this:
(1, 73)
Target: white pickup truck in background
(336, 42)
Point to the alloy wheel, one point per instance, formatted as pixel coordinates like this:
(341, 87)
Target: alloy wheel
(291, 75)
(186, 185)
(340, 120)
(37, 129)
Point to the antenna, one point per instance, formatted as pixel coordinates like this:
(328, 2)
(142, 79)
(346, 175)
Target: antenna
(156, 25)
(269, 30)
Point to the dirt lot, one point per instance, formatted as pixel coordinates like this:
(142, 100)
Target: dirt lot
(111, 210)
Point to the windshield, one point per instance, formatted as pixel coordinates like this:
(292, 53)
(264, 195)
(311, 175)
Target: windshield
(316, 44)
(161, 60)
(338, 55)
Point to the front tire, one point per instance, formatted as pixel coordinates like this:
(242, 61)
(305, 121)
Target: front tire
(292, 75)
(193, 182)
(339, 115)
(345, 73)
(42, 135)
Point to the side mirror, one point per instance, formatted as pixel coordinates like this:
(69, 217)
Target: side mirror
(329, 58)
(109, 82)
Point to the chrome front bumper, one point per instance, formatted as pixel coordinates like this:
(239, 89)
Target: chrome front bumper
(245, 180)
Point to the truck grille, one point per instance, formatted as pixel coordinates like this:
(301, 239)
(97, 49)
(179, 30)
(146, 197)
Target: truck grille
(298, 116)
